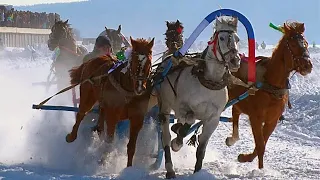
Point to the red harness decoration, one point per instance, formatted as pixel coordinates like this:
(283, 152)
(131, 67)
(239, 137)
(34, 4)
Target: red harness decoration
(214, 42)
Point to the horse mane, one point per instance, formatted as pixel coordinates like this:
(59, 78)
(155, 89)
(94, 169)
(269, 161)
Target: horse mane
(140, 44)
(76, 72)
(142, 41)
(289, 29)
(67, 25)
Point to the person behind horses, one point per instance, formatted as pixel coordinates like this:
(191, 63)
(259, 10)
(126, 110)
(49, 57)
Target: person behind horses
(263, 45)
(102, 47)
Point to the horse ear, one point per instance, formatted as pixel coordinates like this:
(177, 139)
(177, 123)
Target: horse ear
(300, 27)
(235, 21)
(119, 29)
(218, 22)
(66, 22)
(178, 22)
(286, 28)
(151, 43)
(167, 22)
(133, 42)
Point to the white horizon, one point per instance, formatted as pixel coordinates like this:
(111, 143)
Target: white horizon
(35, 2)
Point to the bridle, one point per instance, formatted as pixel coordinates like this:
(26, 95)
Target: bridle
(302, 45)
(139, 74)
(216, 45)
(60, 38)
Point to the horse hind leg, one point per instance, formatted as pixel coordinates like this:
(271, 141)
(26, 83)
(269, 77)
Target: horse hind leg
(235, 131)
(86, 103)
(209, 126)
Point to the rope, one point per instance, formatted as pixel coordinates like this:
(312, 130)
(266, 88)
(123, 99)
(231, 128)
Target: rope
(90, 79)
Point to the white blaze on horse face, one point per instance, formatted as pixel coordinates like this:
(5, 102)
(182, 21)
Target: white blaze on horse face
(142, 62)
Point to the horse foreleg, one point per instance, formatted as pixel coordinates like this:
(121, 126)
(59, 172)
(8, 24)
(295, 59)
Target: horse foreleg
(182, 129)
(209, 126)
(164, 119)
(136, 124)
(73, 135)
(268, 128)
(256, 125)
(235, 125)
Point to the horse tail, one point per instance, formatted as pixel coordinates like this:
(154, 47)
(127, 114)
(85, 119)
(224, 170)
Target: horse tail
(76, 73)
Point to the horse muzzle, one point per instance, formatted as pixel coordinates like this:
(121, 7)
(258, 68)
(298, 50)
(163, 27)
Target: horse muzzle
(234, 63)
(304, 66)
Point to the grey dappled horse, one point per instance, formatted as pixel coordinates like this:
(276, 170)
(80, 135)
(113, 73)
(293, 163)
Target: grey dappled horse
(116, 38)
(202, 96)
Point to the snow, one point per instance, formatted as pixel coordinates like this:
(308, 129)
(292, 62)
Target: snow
(33, 142)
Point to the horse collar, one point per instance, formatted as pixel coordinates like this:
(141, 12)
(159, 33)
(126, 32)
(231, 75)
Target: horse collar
(69, 50)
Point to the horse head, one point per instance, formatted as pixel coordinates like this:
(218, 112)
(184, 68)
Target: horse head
(174, 37)
(140, 64)
(224, 43)
(115, 37)
(60, 34)
(296, 48)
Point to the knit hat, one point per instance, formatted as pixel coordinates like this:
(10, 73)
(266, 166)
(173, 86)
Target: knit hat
(102, 41)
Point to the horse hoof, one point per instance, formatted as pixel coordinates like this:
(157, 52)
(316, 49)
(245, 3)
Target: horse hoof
(245, 158)
(70, 138)
(170, 175)
(176, 145)
(230, 141)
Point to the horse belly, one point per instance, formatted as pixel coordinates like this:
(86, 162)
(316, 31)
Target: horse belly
(114, 99)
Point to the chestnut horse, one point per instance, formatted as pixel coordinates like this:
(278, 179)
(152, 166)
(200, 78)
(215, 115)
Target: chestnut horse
(122, 95)
(266, 106)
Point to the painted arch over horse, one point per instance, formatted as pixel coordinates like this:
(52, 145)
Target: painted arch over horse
(116, 37)
(122, 95)
(266, 106)
(198, 91)
(62, 41)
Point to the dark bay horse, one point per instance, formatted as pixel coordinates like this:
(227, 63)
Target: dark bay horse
(70, 55)
(122, 95)
(174, 41)
(266, 106)
(174, 36)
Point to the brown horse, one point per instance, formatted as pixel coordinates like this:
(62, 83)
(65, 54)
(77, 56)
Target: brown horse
(266, 106)
(122, 95)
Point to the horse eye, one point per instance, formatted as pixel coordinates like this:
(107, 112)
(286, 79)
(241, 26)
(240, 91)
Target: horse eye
(221, 39)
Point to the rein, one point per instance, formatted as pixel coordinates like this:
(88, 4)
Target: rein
(90, 80)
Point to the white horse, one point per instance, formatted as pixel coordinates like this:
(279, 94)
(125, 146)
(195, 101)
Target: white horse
(199, 97)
